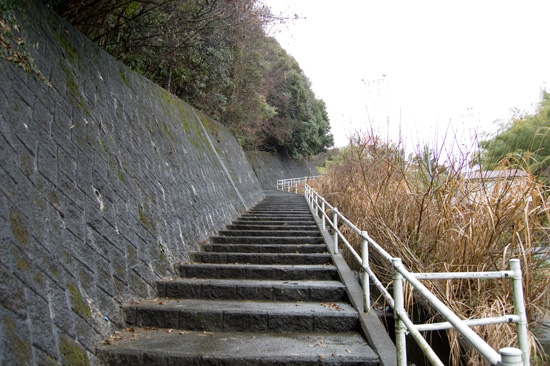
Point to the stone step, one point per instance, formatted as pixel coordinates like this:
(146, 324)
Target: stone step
(243, 316)
(229, 289)
(272, 227)
(277, 218)
(273, 222)
(140, 347)
(296, 211)
(259, 271)
(278, 214)
(278, 233)
(277, 221)
(266, 240)
(260, 258)
(263, 292)
(265, 248)
(278, 210)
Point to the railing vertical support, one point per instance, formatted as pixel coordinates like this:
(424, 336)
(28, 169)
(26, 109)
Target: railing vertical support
(366, 278)
(323, 225)
(317, 205)
(335, 226)
(519, 309)
(399, 310)
(510, 357)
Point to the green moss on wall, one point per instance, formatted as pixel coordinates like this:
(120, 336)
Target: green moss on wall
(143, 216)
(76, 96)
(146, 221)
(54, 197)
(121, 175)
(15, 345)
(22, 264)
(79, 305)
(132, 255)
(123, 76)
(62, 36)
(210, 125)
(26, 165)
(18, 224)
(72, 354)
(167, 130)
(55, 271)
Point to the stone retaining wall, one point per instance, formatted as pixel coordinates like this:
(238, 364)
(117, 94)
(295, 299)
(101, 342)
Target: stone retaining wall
(107, 182)
(271, 167)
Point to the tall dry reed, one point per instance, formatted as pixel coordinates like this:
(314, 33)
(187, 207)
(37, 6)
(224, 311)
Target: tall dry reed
(436, 220)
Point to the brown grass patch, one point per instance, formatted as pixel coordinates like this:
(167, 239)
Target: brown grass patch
(436, 221)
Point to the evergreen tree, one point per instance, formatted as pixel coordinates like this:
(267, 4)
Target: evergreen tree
(525, 138)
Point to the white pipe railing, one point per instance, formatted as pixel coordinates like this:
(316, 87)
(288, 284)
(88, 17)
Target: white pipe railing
(506, 356)
(293, 183)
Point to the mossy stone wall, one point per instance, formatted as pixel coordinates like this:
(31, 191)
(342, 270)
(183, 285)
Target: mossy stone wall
(106, 182)
(271, 167)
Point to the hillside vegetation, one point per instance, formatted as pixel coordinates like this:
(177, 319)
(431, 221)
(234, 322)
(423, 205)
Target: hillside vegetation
(525, 135)
(216, 55)
(434, 219)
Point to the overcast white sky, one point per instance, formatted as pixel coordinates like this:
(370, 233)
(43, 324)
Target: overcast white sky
(462, 64)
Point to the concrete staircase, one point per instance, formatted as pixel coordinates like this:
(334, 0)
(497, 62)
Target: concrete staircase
(263, 292)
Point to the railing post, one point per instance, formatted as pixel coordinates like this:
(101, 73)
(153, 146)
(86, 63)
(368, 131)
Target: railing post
(399, 309)
(510, 356)
(335, 225)
(519, 309)
(323, 225)
(366, 278)
(317, 205)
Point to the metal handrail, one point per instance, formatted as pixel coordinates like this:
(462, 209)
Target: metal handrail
(506, 356)
(287, 184)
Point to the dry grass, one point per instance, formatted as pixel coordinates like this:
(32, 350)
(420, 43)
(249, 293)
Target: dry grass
(427, 215)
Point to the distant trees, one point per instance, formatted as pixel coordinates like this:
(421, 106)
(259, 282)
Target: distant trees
(525, 138)
(216, 55)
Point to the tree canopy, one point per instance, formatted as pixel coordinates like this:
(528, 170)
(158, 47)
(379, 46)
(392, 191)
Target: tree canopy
(525, 138)
(216, 55)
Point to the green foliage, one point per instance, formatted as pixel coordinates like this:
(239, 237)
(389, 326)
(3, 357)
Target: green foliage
(14, 48)
(216, 55)
(526, 136)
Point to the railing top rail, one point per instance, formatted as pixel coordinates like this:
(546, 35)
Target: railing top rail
(293, 180)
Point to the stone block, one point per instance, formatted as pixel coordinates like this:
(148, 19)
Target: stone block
(66, 156)
(249, 322)
(290, 293)
(41, 323)
(61, 311)
(12, 293)
(157, 317)
(218, 291)
(200, 320)
(15, 343)
(254, 293)
(289, 322)
(47, 160)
